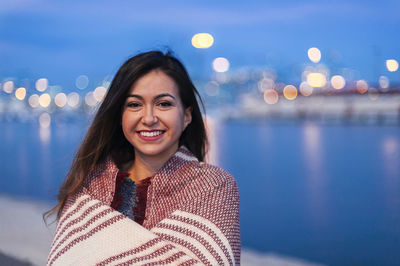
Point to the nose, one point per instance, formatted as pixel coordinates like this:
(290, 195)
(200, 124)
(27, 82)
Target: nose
(149, 118)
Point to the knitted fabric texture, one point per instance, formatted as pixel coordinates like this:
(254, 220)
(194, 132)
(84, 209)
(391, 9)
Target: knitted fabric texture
(130, 197)
(191, 218)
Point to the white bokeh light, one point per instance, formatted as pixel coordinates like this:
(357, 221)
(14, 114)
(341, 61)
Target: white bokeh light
(220, 64)
(42, 84)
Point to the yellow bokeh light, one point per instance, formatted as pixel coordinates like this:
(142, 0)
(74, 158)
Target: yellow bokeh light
(99, 93)
(44, 120)
(44, 100)
(317, 80)
(314, 54)
(42, 84)
(73, 99)
(271, 96)
(220, 64)
(305, 89)
(61, 99)
(290, 92)
(338, 82)
(392, 65)
(20, 93)
(8, 86)
(202, 40)
(362, 86)
(34, 100)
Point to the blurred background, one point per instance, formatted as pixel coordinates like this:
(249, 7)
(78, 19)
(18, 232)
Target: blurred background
(302, 101)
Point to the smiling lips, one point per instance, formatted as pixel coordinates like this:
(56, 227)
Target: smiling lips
(150, 135)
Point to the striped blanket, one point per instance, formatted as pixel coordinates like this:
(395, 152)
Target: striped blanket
(192, 218)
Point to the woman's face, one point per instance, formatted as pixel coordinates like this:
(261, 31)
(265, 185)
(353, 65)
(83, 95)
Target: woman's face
(154, 118)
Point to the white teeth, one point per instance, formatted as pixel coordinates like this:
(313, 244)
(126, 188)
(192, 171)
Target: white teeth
(150, 134)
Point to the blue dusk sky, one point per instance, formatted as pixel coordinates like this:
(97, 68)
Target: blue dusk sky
(61, 40)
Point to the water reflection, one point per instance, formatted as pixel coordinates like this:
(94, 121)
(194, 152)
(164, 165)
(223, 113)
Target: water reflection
(315, 177)
(391, 156)
(44, 134)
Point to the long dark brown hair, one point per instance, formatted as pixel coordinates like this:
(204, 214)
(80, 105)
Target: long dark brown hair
(105, 137)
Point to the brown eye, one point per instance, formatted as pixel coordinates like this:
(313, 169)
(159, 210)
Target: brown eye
(133, 105)
(165, 104)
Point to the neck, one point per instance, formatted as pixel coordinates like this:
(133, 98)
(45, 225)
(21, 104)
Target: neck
(144, 166)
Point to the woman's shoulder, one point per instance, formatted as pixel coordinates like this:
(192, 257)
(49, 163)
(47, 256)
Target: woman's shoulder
(215, 171)
(208, 177)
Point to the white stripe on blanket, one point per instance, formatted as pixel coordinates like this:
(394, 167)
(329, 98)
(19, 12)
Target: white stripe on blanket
(210, 225)
(108, 236)
(77, 220)
(191, 229)
(71, 210)
(182, 237)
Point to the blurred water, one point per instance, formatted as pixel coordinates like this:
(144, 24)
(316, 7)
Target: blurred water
(325, 193)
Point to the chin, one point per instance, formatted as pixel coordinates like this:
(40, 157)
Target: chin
(153, 151)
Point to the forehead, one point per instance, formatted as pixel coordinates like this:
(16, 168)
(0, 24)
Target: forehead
(154, 83)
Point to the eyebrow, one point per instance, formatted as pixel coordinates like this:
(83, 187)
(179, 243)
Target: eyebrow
(155, 98)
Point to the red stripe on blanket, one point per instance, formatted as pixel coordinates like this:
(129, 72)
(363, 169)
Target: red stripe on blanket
(188, 263)
(77, 220)
(165, 261)
(78, 208)
(187, 245)
(132, 251)
(153, 255)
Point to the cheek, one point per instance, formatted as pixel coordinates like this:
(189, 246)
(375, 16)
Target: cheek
(128, 121)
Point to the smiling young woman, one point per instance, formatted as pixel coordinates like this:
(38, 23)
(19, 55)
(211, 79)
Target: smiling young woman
(138, 191)
(153, 121)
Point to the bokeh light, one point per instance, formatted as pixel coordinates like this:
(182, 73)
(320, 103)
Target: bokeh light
(8, 86)
(45, 100)
(314, 54)
(20, 93)
(221, 77)
(220, 64)
(266, 84)
(33, 100)
(290, 92)
(202, 40)
(82, 82)
(271, 96)
(44, 120)
(212, 88)
(362, 86)
(305, 89)
(73, 99)
(99, 93)
(317, 80)
(338, 82)
(89, 99)
(41, 84)
(61, 99)
(384, 82)
(392, 65)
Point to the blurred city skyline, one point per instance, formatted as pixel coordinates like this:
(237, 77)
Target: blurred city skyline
(61, 41)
